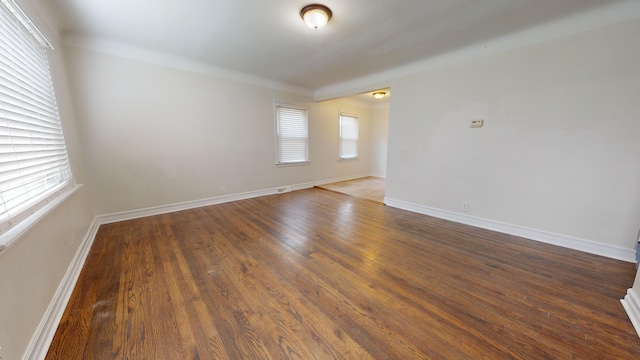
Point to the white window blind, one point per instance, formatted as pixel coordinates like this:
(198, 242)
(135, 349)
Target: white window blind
(348, 136)
(292, 134)
(33, 158)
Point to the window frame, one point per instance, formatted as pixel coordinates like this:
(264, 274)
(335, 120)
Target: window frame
(17, 220)
(340, 137)
(278, 137)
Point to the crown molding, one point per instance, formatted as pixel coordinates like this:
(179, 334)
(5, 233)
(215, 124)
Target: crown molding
(109, 47)
(600, 17)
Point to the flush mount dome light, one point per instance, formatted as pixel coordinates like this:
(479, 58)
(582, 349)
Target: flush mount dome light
(315, 15)
(379, 94)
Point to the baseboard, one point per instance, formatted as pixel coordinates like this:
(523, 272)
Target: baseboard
(164, 209)
(42, 337)
(631, 304)
(379, 175)
(570, 242)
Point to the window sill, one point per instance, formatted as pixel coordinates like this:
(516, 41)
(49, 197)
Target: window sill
(14, 234)
(293, 164)
(348, 159)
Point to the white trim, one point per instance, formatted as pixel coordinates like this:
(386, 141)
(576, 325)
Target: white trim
(16, 10)
(379, 175)
(42, 337)
(340, 137)
(164, 209)
(566, 241)
(276, 128)
(298, 163)
(346, 114)
(109, 47)
(597, 17)
(631, 304)
(14, 234)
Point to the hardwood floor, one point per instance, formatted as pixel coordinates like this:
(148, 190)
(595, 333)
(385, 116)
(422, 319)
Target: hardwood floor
(370, 188)
(314, 274)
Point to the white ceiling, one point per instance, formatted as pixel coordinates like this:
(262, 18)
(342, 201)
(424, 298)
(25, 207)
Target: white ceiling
(267, 38)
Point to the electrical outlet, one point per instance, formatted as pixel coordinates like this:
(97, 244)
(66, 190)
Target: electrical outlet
(464, 206)
(223, 189)
(477, 123)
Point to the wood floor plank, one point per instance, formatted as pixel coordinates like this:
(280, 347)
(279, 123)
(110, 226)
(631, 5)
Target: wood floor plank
(370, 305)
(345, 306)
(287, 326)
(279, 279)
(185, 312)
(315, 274)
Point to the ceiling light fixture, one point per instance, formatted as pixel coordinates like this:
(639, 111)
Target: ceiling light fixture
(379, 94)
(316, 15)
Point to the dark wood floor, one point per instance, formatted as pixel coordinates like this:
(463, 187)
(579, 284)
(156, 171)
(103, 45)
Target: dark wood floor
(315, 274)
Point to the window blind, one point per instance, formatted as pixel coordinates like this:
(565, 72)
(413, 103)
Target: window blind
(292, 134)
(348, 136)
(33, 158)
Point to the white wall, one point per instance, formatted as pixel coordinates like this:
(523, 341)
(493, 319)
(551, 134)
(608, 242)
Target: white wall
(325, 141)
(379, 140)
(155, 135)
(31, 269)
(559, 151)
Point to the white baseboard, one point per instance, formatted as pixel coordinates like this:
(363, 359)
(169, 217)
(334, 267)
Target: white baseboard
(570, 242)
(41, 340)
(380, 175)
(164, 209)
(631, 304)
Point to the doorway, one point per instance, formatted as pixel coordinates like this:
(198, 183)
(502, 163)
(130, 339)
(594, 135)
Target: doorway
(368, 188)
(371, 187)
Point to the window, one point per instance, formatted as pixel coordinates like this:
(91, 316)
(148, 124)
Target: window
(34, 167)
(348, 136)
(292, 134)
